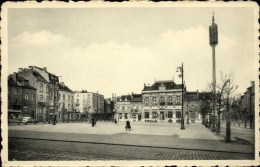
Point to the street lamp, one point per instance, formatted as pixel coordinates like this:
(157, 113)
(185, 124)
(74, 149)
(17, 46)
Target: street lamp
(181, 70)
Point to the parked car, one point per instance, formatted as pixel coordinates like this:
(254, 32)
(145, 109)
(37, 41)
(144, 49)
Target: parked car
(28, 120)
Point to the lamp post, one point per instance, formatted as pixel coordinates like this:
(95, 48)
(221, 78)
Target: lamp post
(181, 70)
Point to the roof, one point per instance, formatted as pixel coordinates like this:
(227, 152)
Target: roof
(65, 88)
(11, 82)
(130, 98)
(25, 83)
(39, 77)
(169, 85)
(205, 96)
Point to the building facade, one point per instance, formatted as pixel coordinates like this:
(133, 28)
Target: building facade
(66, 110)
(162, 102)
(191, 107)
(108, 109)
(21, 98)
(128, 107)
(89, 103)
(42, 93)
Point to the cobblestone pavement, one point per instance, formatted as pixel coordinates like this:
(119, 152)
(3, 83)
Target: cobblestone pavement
(28, 149)
(192, 131)
(195, 136)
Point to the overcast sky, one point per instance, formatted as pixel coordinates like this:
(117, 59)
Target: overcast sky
(115, 50)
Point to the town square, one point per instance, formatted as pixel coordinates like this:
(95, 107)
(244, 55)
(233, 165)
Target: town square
(112, 84)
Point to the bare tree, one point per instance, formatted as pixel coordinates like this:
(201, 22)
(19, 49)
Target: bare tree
(227, 89)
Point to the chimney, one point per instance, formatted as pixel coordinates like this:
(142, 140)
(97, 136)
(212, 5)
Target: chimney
(15, 76)
(45, 69)
(62, 83)
(20, 69)
(252, 83)
(30, 67)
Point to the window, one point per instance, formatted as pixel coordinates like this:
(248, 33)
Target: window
(41, 87)
(178, 100)
(63, 97)
(178, 114)
(77, 101)
(169, 101)
(40, 98)
(69, 107)
(16, 91)
(32, 97)
(162, 102)
(126, 116)
(154, 114)
(69, 97)
(26, 110)
(47, 88)
(47, 98)
(146, 114)
(154, 102)
(123, 107)
(146, 101)
(26, 97)
(169, 114)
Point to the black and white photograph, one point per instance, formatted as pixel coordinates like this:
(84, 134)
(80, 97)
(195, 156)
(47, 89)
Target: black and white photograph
(122, 84)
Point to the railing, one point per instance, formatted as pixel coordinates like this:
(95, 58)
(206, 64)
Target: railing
(42, 103)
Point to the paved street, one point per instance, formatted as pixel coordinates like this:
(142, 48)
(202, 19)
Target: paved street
(107, 140)
(239, 133)
(24, 149)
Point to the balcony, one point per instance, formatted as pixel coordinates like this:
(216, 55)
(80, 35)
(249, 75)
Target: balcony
(162, 103)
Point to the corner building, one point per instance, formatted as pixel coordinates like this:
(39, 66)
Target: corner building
(162, 102)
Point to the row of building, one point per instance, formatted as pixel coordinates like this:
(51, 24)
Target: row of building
(35, 92)
(161, 102)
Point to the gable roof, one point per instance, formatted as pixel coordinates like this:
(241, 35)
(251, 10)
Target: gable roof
(39, 77)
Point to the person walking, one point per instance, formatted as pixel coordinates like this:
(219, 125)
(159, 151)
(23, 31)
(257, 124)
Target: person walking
(128, 126)
(93, 121)
(115, 121)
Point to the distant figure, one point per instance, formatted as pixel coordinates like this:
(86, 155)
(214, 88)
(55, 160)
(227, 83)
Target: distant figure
(170, 121)
(115, 121)
(93, 121)
(128, 126)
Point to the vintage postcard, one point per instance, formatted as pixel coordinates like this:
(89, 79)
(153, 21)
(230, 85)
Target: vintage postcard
(130, 84)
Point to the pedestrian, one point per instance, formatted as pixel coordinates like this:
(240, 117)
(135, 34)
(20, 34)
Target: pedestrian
(128, 126)
(93, 121)
(115, 121)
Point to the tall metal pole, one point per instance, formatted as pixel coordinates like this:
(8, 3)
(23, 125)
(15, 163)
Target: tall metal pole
(213, 40)
(182, 92)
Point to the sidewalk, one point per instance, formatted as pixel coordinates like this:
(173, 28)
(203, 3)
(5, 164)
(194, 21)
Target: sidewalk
(194, 137)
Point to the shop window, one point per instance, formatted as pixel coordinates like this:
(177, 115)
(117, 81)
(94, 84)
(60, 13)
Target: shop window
(178, 114)
(169, 114)
(146, 115)
(154, 114)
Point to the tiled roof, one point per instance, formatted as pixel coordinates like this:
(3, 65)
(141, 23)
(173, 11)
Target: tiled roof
(169, 85)
(65, 88)
(39, 77)
(27, 84)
